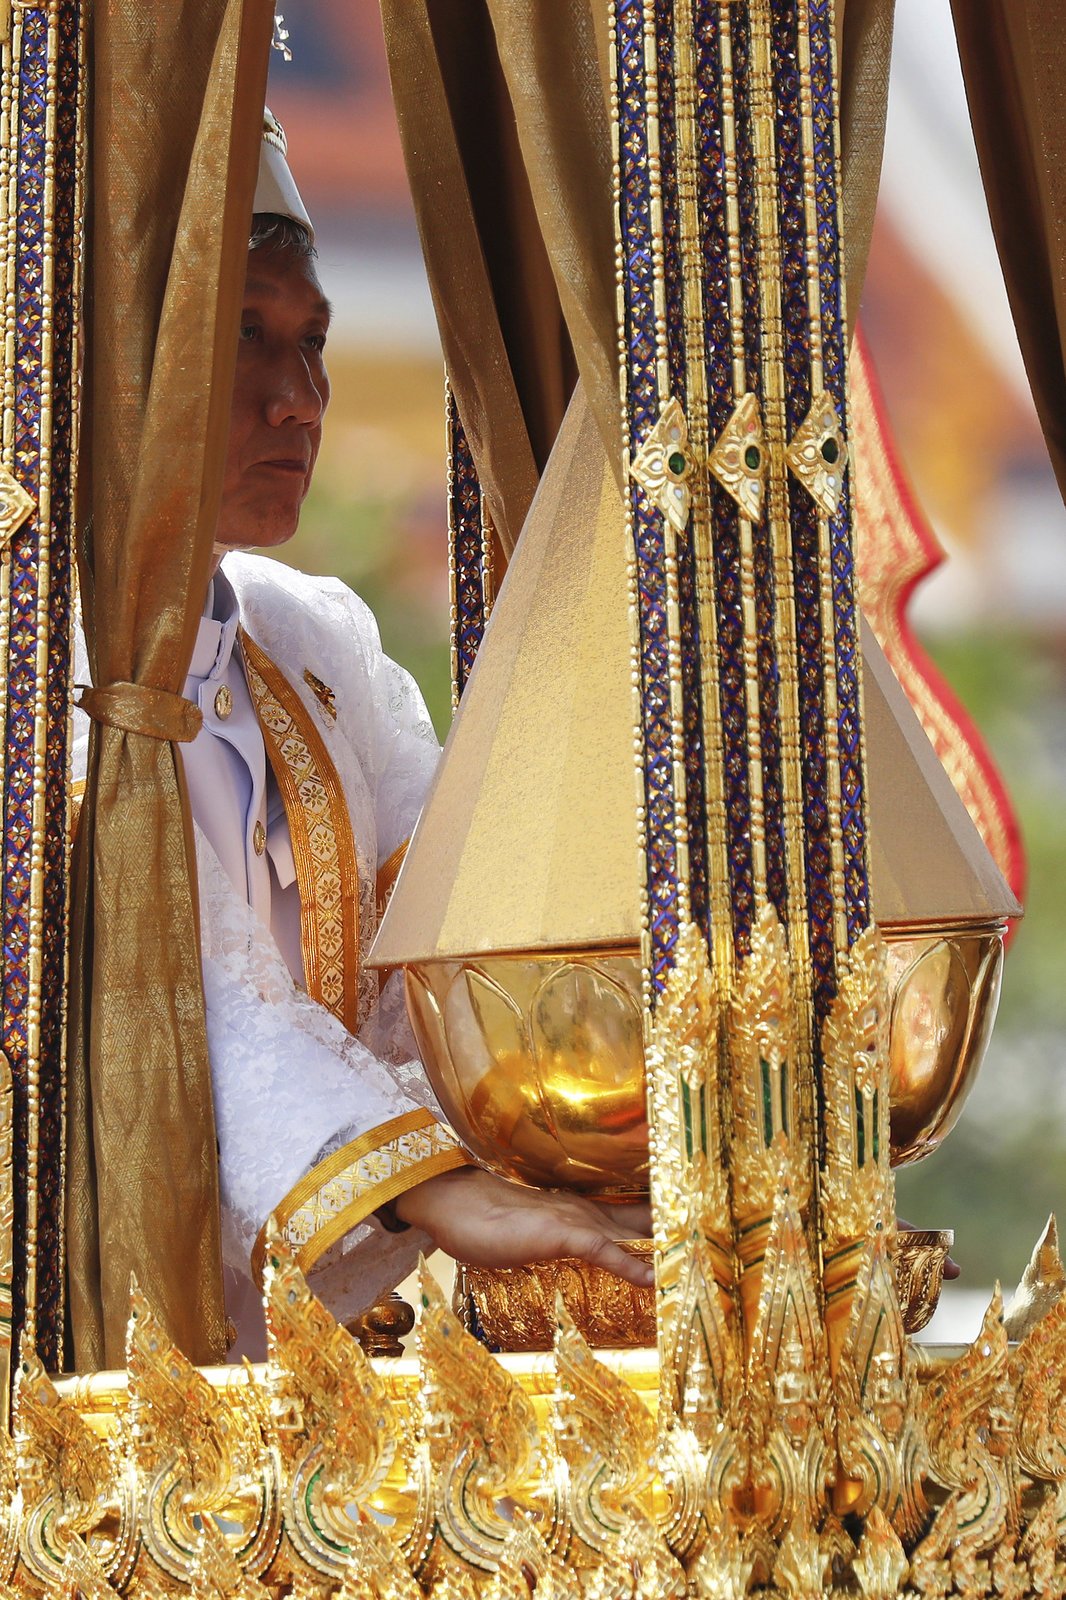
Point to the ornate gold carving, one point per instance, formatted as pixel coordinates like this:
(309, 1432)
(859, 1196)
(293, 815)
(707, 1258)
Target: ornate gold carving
(663, 466)
(515, 1306)
(481, 1432)
(1039, 1367)
(1042, 1285)
(818, 454)
(766, 1108)
(681, 1061)
(329, 1418)
(879, 1437)
(920, 1257)
(788, 1388)
(192, 1453)
(881, 1564)
(71, 1483)
(606, 1436)
(855, 1178)
(738, 459)
(971, 1438)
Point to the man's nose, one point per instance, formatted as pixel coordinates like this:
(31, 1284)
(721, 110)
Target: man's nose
(294, 394)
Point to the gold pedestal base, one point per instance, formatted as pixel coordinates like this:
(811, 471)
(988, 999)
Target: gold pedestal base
(514, 1307)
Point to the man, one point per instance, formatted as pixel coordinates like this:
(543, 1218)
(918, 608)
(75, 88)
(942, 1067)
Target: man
(305, 781)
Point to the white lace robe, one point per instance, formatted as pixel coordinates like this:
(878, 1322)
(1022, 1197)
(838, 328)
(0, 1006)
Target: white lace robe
(290, 1083)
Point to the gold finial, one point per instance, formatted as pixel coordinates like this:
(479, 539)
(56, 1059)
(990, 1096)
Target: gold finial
(1042, 1285)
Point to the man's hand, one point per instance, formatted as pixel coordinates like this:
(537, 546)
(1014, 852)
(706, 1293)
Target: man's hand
(488, 1222)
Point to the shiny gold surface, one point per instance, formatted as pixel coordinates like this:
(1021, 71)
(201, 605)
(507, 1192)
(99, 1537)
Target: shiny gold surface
(919, 1262)
(539, 1063)
(945, 991)
(382, 1330)
(514, 1307)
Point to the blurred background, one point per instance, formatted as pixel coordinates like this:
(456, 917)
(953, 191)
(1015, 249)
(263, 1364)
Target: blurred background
(993, 616)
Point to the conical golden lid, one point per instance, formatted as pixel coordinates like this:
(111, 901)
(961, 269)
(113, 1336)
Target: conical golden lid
(529, 841)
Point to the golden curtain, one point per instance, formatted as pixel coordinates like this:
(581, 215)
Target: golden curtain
(502, 107)
(177, 102)
(1012, 58)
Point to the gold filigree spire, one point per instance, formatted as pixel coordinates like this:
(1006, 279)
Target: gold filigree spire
(856, 1177)
(766, 1103)
(972, 1445)
(331, 1421)
(879, 1437)
(70, 1479)
(193, 1453)
(1043, 1284)
(788, 1399)
(881, 1564)
(766, 1136)
(690, 1198)
(481, 1431)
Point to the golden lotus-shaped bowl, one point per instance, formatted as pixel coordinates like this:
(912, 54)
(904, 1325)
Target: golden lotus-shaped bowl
(538, 1061)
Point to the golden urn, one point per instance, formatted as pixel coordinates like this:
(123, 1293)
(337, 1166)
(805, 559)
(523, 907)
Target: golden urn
(517, 912)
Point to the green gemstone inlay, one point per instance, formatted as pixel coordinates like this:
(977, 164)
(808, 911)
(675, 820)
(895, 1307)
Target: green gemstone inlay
(860, 1130)
(753, 458)
(767, 1103)
(830, 451)
(676, 462)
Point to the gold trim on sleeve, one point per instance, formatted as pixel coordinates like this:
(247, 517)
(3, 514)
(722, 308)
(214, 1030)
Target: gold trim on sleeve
(323, 844)
(388, 872)
(342, 1191)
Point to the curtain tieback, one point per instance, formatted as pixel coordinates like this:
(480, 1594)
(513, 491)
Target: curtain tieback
(138, 708)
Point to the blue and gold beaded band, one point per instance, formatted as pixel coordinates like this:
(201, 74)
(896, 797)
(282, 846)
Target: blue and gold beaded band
(732, 354)
(40, 221)
(470, 563)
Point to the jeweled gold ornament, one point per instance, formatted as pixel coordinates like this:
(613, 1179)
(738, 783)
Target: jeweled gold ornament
(663, 466)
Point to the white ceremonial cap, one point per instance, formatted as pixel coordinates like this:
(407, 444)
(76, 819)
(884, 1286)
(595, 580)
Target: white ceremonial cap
(276, 190)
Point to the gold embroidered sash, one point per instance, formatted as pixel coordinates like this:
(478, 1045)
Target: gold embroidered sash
(344, 1189)
(323, 844)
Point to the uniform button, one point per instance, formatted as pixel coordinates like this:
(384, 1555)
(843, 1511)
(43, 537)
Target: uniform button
(223, 703)
(259, 838)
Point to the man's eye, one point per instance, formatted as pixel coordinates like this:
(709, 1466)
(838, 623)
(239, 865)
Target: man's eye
(249, 331)
(317, 341)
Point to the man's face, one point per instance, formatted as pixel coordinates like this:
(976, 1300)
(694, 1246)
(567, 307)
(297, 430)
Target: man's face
(280, 395)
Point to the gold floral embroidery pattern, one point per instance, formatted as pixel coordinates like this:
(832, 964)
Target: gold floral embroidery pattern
(343, 1190)
(323, 845)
